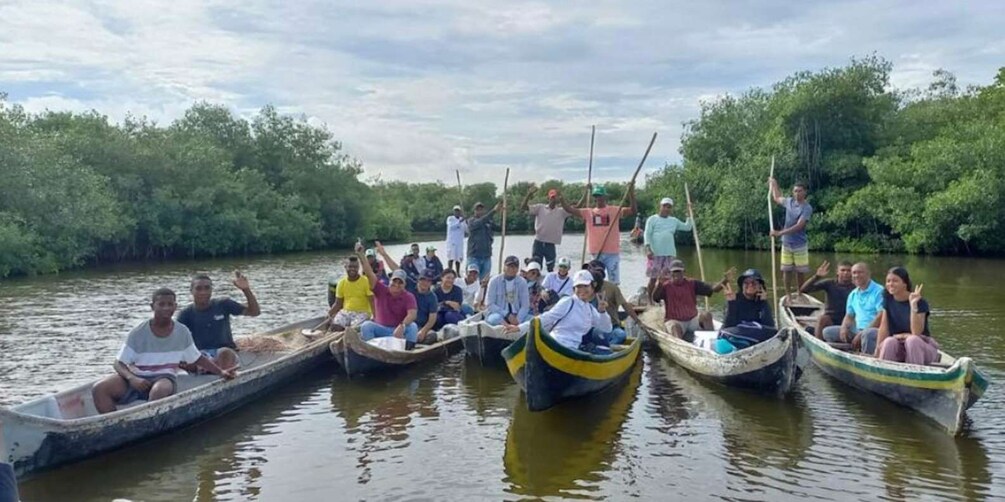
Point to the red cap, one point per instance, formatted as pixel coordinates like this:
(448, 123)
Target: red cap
(552, 193)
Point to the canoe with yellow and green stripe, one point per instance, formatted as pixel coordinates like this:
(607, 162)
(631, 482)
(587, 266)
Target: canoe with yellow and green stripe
(549, 372)
(942, 391)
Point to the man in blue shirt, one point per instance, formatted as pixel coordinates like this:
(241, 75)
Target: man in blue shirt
(428, 306)
(862, 313)
(795, 259)
(208, 319)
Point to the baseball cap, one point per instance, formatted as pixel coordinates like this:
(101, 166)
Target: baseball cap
(457, 208)
(430, 248)
(512, 260)
(563, 262)
(599, 191)
(478, 205)
(429, 275)
(552, 193)
(371, 252)
(666, 200)
(399, 274)
(676, 265)
(532, 266)
(473, 268)
(582, 278)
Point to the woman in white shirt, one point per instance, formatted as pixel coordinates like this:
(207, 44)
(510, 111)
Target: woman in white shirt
(573, 316)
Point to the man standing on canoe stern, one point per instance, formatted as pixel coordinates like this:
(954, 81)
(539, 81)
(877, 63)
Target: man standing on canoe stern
(660, 241)
(457, 226)
(837, 290)
(353, 298)
(480, 239)
(680, 297)
(394, 308)
(603, 235)
(149, 360)
(208, 319)
(549, 222)
(860, 325)
(795, 259)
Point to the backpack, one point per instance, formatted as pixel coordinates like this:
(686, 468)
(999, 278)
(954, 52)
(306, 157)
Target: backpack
(747, 333)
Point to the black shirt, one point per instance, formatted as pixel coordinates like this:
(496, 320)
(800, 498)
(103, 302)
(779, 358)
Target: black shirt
(211, 327)
(837, 295)
(899, 315)
(744, 310)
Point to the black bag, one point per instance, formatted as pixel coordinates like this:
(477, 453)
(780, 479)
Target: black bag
(746, 334)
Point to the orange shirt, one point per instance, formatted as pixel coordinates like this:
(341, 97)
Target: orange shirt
(598, 221)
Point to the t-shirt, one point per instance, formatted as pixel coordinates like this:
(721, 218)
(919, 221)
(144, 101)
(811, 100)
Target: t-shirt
(480, 236)
(612, 294)
(681, 300)
(390, 309)
(660, 234)
(548, 223)
(455, 295)
(211, 327)
(152, 355)
(556, 284)
(865, 305)
(793, 212)
(899, 315)
(598, 221)
(355, 295)
(470, 291)
(837, 295)
(426, 305)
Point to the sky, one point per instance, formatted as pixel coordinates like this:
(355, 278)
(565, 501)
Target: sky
(419, 89)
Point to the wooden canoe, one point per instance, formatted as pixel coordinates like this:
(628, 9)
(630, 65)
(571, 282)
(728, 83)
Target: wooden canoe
(357, 357)
(549, 372)
(941, 392)
(771, 367)
(485, 342)
(64, 427)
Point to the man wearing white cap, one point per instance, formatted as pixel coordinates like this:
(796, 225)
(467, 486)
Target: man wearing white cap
(660, 241)
(457, 226)
(557, 284)
(573, 316)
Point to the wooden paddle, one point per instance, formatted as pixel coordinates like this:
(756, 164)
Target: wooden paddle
(589, 180)
(502, 243)
(460, 189)
(308, 332)
(771, 223)
(631, 185)
(697, 243)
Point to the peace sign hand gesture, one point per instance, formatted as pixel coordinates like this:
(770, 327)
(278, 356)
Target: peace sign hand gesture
(915, 297)
(727, 291)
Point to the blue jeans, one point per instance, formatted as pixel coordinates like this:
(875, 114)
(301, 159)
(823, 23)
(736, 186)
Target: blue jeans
(613, 263)
(833, 334)
(484, 265)
(370, 330)
(616, 336)
(468, 310)
(497, 319)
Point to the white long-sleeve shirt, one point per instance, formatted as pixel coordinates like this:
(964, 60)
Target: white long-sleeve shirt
(570, 319)
(456, 228)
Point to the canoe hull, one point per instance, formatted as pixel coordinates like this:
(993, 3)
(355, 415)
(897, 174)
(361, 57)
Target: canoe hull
(357, 357)
(32, 443)
(484, 342)
(550, 373)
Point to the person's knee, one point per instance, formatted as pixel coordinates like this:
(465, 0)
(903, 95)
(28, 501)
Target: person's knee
(226, 358)
(493, 319)
(161, 388)
(914, 342)
(412, 332)
(831, 333)
(366, 330)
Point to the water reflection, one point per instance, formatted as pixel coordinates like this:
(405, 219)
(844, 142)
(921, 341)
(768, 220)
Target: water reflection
(488, 392)
(565, 450)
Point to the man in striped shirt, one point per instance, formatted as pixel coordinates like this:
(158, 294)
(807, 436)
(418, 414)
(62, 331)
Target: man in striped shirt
(149, 360)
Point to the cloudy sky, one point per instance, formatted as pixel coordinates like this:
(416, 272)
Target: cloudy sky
(416, 89)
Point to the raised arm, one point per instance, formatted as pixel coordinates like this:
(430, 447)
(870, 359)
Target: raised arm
(525, 203)
(391, 262)
(568, 208)
(776, 193)
(367, 269)
(633, 203)
(241, 282)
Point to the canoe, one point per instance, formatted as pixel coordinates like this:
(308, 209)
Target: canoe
(485, 342)
(771, 367)
(357, 357)
(942, 392)
(64, 427)
(549, 372)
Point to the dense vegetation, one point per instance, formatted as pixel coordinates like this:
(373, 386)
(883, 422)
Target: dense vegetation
(918, 171)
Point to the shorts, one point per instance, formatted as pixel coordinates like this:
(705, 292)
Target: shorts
(346, 318)
(795, 259)
(686, 327)
(613, 263)
(455, 251)
(133, 394)
(657, 264)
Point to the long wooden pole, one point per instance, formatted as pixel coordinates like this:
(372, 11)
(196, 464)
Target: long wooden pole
(502, 243)
(697, 243)
(589, 180)
(617, 220)
(771, 222)
(460, 189)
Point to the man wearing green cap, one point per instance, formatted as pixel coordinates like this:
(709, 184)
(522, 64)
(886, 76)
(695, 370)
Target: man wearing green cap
(603, 237)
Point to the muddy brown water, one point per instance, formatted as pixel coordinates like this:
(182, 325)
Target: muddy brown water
(456, 431)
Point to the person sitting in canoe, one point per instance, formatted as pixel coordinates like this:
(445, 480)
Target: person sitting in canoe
(749, 305)
(208, 319)
(574, 321)
(410, 264)
(903, 330)
(148, 361)
(394, 308)
(353, 298)
(610, 295)
(430, 261)
(680, 297)
(532, 274)
(836, 289)
(507, 300)
(427, 307)
(556, 284)
(472, 287)
(450, 299)
(860, 325)
(376, 265)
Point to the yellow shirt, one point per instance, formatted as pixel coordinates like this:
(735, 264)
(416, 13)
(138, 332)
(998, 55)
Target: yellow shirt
(355, 295)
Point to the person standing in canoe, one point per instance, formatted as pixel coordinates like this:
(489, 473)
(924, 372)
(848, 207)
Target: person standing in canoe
(795, 259)
(394, 308)
(837, 290)
(749, 305)
(480, 239)
(680, 297)
(903, 331)
(148, 361)
(549, 223)
(574, 320)
(603, 237)
(208, 319)
(507, 300)
(862, 312)
(660, 241)
(457, 226)
(353, 298)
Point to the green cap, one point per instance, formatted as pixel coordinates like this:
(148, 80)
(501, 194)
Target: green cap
(599, 191)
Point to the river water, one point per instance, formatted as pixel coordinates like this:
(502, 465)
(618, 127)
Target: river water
(456, 431)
